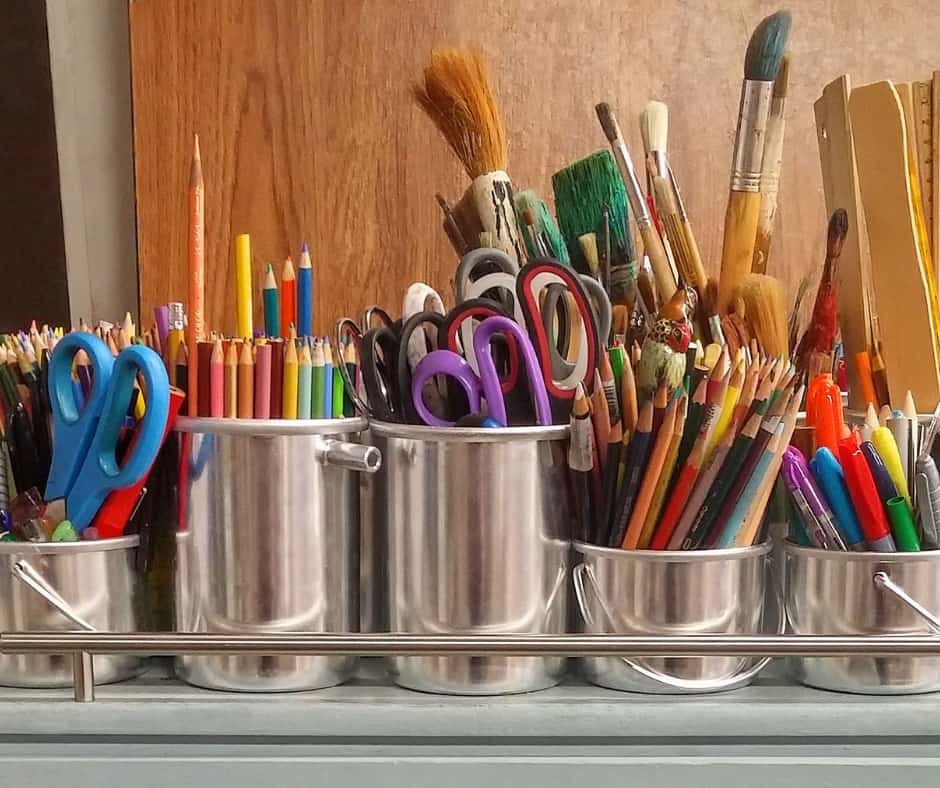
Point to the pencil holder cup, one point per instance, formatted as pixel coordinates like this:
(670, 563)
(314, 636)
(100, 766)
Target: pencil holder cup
(475, 524)
(69, 586)
(849, 593)
(668, 592)
(269, 543)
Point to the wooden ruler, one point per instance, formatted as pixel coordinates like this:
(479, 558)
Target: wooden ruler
(900, 278)
(935, 171)
(840, 184)
(922, 136)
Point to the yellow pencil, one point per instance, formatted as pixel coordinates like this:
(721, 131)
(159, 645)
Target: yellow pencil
(243, 286)
(727, 407)
(289, 390)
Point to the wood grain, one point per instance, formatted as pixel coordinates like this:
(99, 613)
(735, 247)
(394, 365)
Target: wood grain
(307, 129)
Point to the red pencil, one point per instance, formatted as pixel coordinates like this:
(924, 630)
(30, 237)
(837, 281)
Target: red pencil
(288, 298)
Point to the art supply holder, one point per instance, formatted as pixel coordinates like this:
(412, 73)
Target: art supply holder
(52, 587)
(475, 525)
(268, 542)
(672, 593)
(868, 594)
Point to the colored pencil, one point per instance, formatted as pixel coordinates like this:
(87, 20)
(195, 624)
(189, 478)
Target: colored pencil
(288, 298)
(305, 294)
(244, 322)
(652, 472)
(633, 472)
(231, 381)
(199, 377)
(316, 357)
(600, 418)
(217, 381)
(197, 277)
(665, 477)
(277, 378)
(304, 383)
(327, 378)
(182, 369)
(262, 402)
(246, 383)
(735, 385)
(289, 391)
(349, 360)
(336, 410)
(272, 306)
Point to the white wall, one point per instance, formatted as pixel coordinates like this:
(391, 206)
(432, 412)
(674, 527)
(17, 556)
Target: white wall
(89, 51)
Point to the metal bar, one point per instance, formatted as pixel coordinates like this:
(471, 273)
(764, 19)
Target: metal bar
(83, 676)
(148, 644)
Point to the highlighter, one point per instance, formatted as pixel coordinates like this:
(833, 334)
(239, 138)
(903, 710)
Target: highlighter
(828, 473)
(883, 440)
(865, 498)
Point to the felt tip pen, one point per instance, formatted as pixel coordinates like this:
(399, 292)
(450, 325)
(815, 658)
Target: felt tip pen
(879, 472)
(902, 525)
(817, 517)
(883, 440)
(828, 473)
(865, 498)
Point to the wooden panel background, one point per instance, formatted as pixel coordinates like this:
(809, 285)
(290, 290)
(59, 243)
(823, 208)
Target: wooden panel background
(308, 130)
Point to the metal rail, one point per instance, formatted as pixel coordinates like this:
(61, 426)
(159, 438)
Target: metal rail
(82, 645)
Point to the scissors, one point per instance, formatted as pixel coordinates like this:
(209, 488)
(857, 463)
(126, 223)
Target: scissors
(85, 466)
(486, 385)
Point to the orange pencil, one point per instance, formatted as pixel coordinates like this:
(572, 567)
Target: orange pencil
(246, 383)
(288, 298)
(230, 411)
(654, 468)
(217, 381)
(866, 383)
(197, 275)
(263, 381)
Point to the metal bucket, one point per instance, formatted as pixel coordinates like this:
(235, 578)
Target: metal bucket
(50, 586)
(667, 592)
(476, 526)
(835, 593)
(269, 542)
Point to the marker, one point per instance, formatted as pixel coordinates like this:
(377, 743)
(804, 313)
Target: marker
(865, 498)
(828, 473)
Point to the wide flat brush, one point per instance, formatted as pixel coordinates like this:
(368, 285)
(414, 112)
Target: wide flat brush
(457, 96)
(761, 66)
(652, 243)
(539, 231)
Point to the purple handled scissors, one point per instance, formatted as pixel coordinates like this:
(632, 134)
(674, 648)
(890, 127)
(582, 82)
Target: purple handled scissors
(486, 385)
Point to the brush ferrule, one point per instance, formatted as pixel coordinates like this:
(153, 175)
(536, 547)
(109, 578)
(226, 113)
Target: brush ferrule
(751, 137)
(659, 163)
(641, 214)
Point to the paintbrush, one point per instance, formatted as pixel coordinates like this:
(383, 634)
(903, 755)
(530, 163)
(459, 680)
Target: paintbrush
(539, 231)
(761, 66)
(457, 96)
(652, 243)
(770, 169)
(764, 300)
(584, 190)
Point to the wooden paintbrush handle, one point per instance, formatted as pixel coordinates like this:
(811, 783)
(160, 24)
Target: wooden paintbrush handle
(697, 272)
(653, 245)
(737, 251)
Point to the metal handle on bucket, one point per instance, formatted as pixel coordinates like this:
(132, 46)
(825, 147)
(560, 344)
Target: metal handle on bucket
(692, 685)
(22, 570)
(352, 456)
(885, 583)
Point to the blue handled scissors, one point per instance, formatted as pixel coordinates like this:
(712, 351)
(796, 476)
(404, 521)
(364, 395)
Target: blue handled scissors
(85, 467)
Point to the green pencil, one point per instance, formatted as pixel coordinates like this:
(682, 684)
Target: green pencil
(304, 383)
(317, 388)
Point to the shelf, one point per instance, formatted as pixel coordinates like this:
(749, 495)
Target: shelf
(156, 731)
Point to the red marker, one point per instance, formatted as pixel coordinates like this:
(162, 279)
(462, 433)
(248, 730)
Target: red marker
(117, 509)
(865, 498)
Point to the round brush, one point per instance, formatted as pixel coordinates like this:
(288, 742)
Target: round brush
(765, 308)
(761, 65)
(457, 96)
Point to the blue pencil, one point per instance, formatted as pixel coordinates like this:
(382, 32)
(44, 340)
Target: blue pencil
(305, 294)
(327, 379)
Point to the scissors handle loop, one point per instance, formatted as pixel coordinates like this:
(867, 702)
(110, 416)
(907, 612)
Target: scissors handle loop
(444, 362)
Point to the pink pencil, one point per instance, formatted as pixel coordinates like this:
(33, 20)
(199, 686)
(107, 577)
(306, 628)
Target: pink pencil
(217, 381)
(263, 381)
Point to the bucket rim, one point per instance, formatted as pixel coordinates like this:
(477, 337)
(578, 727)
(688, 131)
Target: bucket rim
(252, 427)
(422, 432)
(792, 548)
(69, 548)
(676, 556)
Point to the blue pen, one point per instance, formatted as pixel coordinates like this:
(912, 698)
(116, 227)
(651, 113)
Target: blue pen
(828, 473)
(327, 379)
(305, 294)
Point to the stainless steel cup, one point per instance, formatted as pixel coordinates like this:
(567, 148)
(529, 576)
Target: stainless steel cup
(475, 525)
(97, 581)
(667, 592)
(836, 593)
(269, 542)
